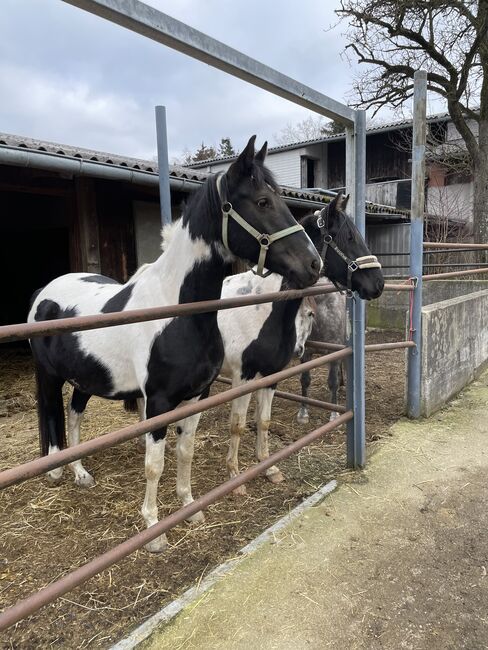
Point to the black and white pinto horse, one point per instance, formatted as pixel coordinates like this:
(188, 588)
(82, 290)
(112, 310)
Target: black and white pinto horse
(260, 339)
(329, 326)
(170, 361)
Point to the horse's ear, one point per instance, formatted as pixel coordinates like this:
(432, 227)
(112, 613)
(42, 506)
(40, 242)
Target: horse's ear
(345, 202)
(337, 204)
(243, 164)
(261, 154)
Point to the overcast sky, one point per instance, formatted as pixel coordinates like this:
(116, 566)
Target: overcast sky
(70, 77)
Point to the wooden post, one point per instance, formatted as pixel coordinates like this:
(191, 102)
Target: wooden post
(86, 207)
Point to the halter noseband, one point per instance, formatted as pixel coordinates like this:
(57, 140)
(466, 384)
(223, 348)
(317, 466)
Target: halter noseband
(364, 262)
(264, 239)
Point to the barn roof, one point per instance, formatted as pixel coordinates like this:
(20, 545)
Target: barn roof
(383, 128)
(150, 169)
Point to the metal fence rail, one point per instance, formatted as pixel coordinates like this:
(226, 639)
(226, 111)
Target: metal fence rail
(82, 574)
(20, 331)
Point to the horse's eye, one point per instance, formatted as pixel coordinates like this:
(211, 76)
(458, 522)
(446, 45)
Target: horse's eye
(263, 203)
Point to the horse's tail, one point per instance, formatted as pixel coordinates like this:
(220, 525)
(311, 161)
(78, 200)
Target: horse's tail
(130, 405)
(50, 411)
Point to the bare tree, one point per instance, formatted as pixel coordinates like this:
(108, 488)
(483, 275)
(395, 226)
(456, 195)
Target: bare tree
(311, 128)
(449, 39)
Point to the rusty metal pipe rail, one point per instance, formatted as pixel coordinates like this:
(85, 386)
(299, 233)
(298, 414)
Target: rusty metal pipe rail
(293, 397)
(453, 274)
(45, 463)
(68, 582)
(20, 331)
(371, 347)
(473, 247)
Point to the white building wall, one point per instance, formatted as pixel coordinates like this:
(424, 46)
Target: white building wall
(285, 166)
(451, 201)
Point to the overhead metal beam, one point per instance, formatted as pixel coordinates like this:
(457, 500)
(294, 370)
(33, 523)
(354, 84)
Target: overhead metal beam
(154, 24)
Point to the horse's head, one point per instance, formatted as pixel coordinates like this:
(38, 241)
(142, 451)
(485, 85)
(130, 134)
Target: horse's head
(257, 224)
(347, 259)
(304, 321)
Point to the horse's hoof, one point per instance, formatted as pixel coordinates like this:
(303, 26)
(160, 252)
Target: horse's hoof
(240, 491)
(157, 545)
(197, 518)
(302, 418)
(85, 480)
(275, 476)
(54, 478)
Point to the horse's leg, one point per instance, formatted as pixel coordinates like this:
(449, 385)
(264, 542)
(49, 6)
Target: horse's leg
(154, 465)
(333, 382)
(185, 446)
(76, 410)
(52, 434)
(305, 380)
(237, 425)
(264, 400)
(141, 440)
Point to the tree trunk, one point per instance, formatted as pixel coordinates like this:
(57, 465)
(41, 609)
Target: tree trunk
(480, 182)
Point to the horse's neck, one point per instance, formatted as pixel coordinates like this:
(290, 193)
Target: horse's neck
(187, 271)
(284, 314)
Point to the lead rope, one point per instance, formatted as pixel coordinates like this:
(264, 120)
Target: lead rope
(264, 239)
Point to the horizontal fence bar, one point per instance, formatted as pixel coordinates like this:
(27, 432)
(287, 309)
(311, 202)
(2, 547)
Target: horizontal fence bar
(436, 265)
(454, 274)
(77, 577)
(429, 252)
(397, 287)
(371, 347)
(436, 244)
(45, 463)
(293, 397)
(21, 331)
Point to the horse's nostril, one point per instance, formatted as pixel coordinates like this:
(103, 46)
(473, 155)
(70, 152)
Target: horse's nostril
(316, 264)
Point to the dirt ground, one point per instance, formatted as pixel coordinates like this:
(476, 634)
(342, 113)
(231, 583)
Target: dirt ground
(45, 531)
(396, 558)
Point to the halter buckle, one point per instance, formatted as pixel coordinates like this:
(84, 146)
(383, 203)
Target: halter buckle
(227, 207)
(352, 266)
(320, 222)
(264, 241)
(327, 239)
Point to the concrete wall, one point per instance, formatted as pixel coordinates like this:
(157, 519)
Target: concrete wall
(147, 225)
(389, 311)
(454, 347)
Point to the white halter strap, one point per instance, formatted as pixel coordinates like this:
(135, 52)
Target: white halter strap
(364, 262)
(264, 239)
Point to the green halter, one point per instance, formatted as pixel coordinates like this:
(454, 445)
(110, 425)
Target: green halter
(264, 239)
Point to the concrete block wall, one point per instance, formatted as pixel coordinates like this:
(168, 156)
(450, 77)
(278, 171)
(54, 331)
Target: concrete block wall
(454, 347)
(389, 311)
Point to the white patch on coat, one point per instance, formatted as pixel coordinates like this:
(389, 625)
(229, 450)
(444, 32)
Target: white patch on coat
(159, 284)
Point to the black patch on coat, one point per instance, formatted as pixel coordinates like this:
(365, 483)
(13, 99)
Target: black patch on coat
(186, 357)
(273, 348)
(99, 279)
(61, 356)
(119, 301)
(244, 291)
(79, 401)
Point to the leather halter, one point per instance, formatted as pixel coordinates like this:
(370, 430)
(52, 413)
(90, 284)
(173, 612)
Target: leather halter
(264, 239)
(364, 262)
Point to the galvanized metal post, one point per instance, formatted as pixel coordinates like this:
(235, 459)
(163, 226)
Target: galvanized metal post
(162, 140)
(416, 240)
(355, 184)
